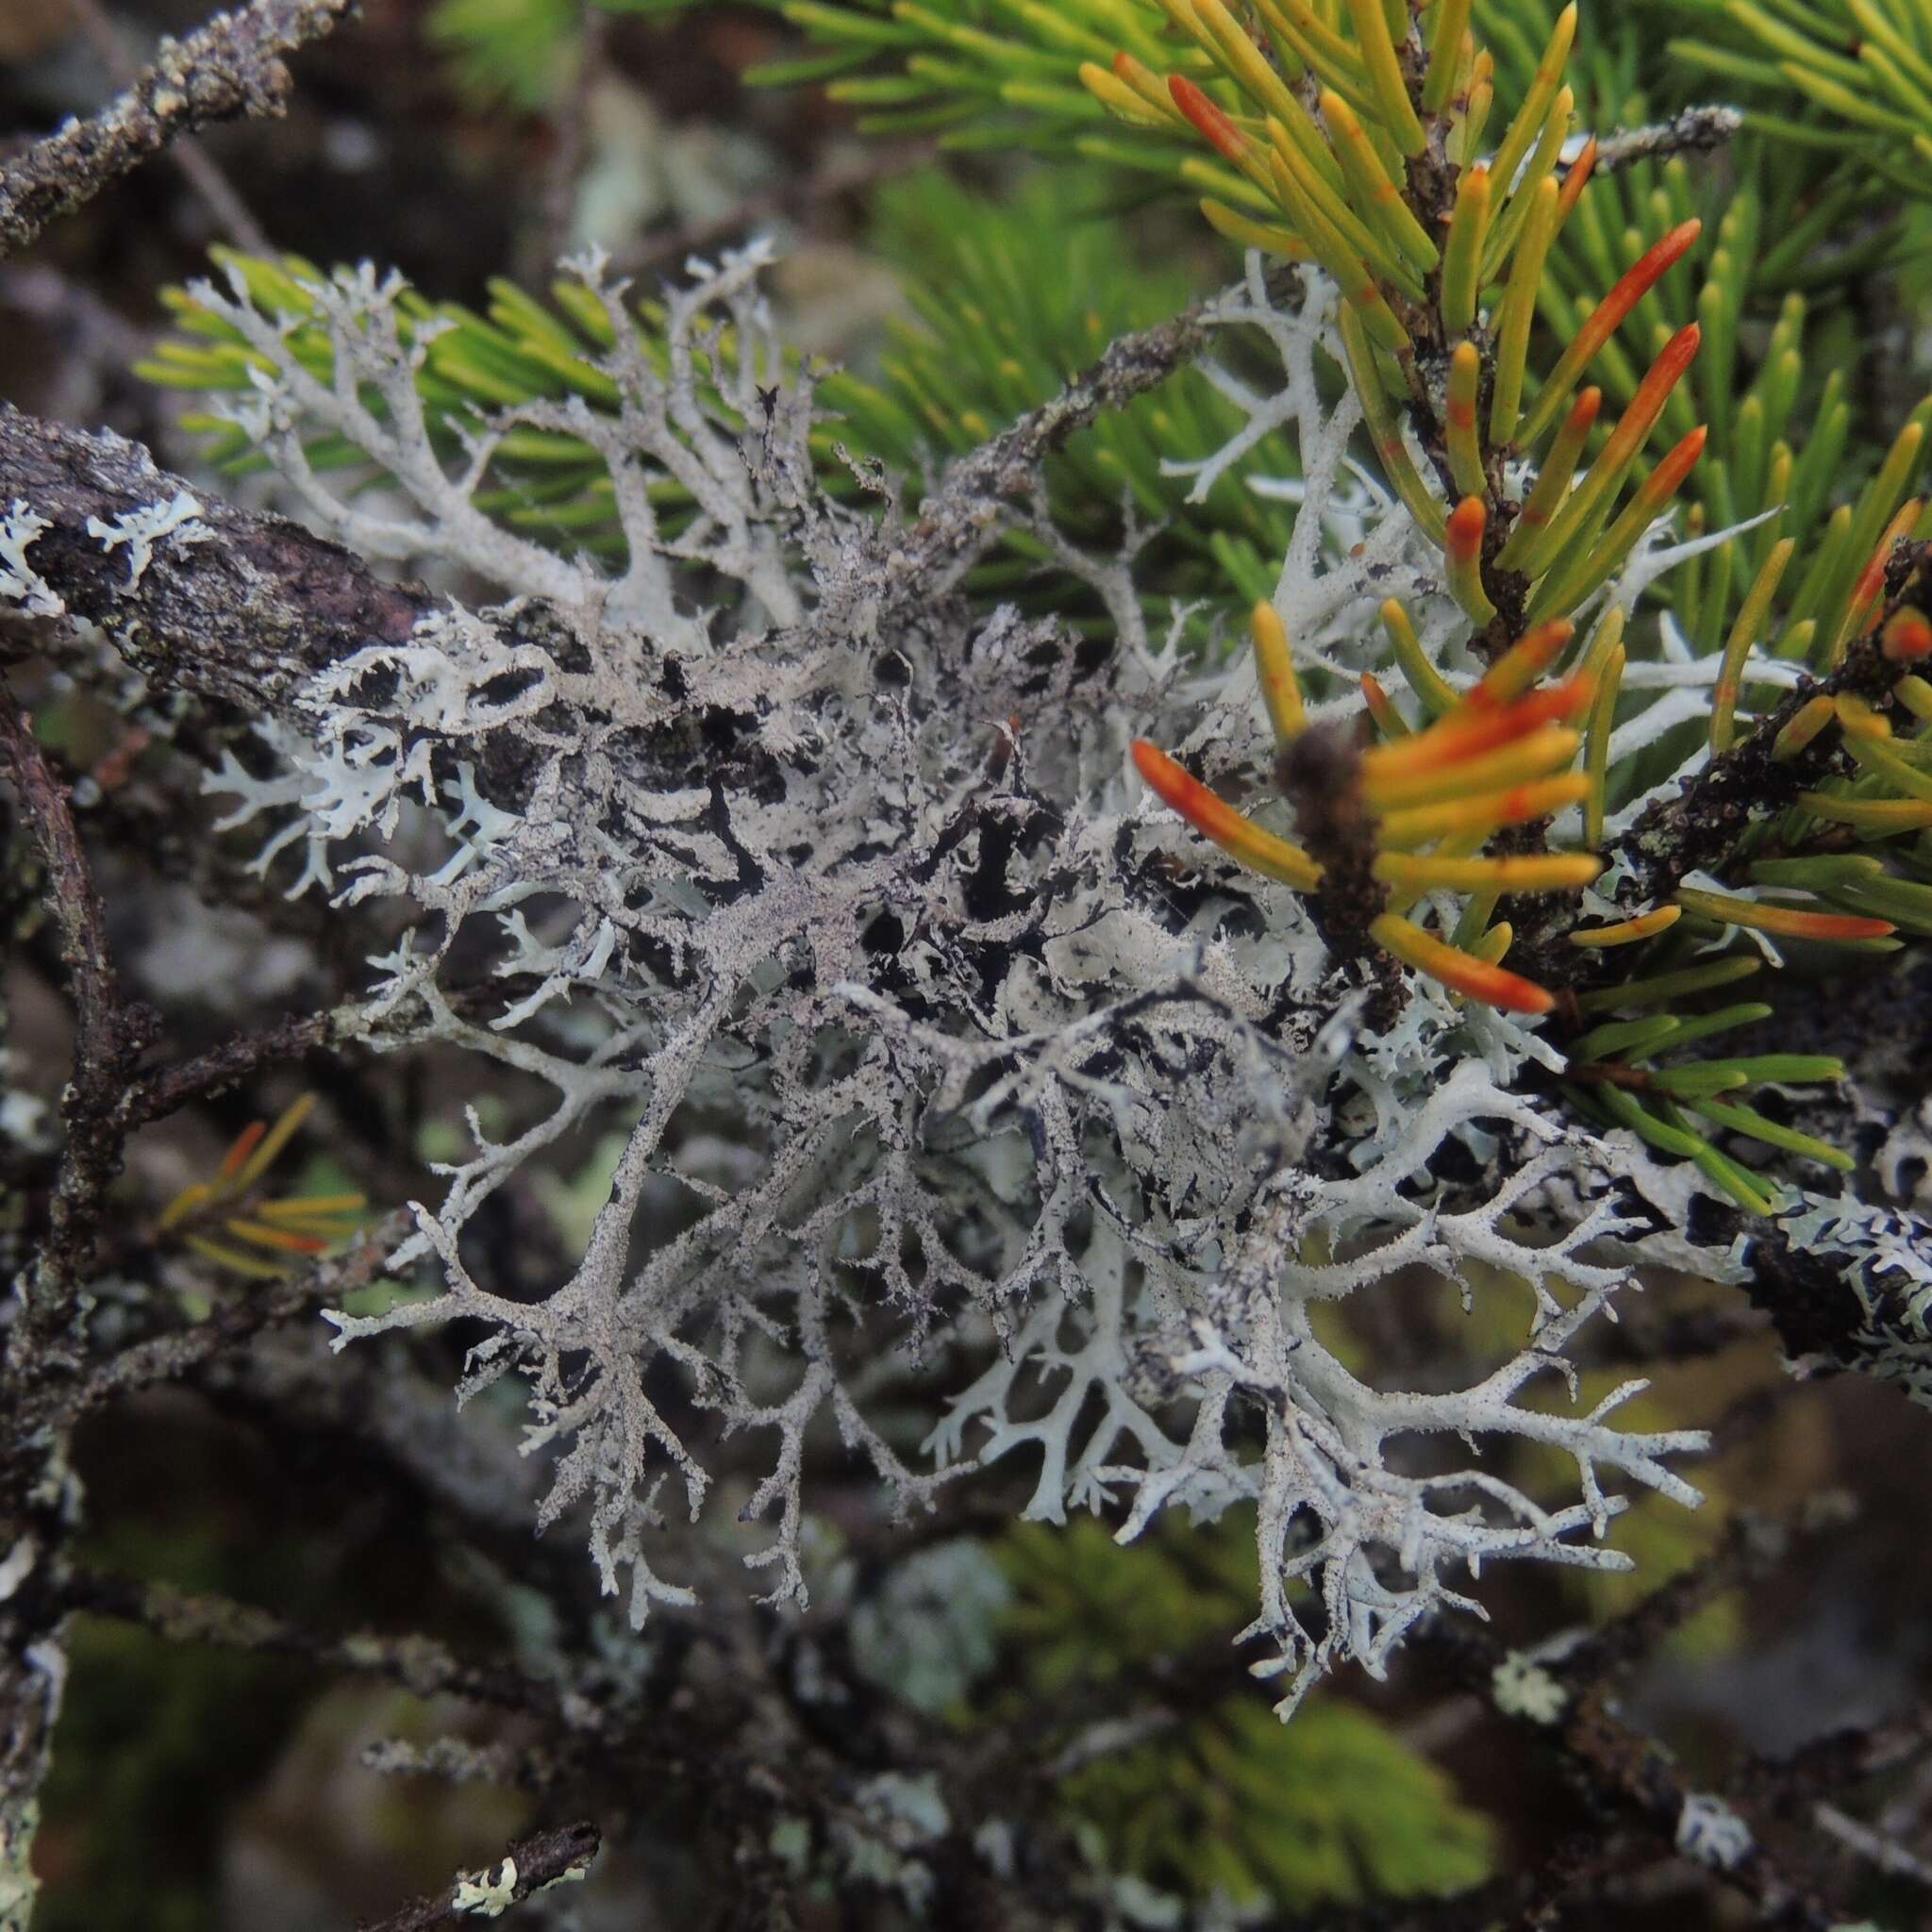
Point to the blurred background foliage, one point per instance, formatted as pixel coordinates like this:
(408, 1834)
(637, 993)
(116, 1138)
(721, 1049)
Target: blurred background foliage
(1219, 1796)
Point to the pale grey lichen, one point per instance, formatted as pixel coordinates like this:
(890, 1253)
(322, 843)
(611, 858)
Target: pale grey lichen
(1711, 1833)
(141, 529)
(1523, 1688)
(898, 1815)
(833, 900)
(17, 1565)
(1882, 1253)
(789, 1843)
(21, 584)
(23, 1117)
(932, 1630)
(18, 1885)
(487, 1894)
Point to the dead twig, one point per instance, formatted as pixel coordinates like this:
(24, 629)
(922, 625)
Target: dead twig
(197, 166)
(231, 67)
(1694, 130)
(167, 1090)
(109, 1036)
(167, 1358)
(544, 1857)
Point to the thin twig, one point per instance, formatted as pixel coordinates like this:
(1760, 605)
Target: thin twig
(458, 1761)
(231, 67)
(1626, 1775)
(167, 1090)
(1697, 129)
(564, 176)
(421, 1665)
(1884, 1853)
(169, 1358)
(109, 1037)
(961, 517)
(197, 166)
(545, 1858)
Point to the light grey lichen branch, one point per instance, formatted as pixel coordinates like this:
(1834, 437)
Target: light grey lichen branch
(917, 1036)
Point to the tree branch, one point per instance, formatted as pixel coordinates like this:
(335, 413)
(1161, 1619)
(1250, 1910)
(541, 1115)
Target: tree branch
(958, 520)
(109, 1037)
(1693, 130)
(167, 1358)
(231, 67)
(167, 1090)
(196, 165)
(545, 1858)
(418, 1664)
(244, 618)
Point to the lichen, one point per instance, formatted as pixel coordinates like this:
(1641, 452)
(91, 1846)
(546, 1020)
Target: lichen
(1523, 1688)
(487, 1894)
(21, 584)
(868, 877)
(1711, 1833)
(142, 529)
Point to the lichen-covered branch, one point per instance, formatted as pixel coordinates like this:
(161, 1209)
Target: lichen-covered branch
(235, 1322)
(225, 603)
(233, 66)
(195, 164)
(1019, 1070)
(558, 1855)
(551, 739)
(833, 1086)
(109, 1036)
(955, 522)
(1690, 131)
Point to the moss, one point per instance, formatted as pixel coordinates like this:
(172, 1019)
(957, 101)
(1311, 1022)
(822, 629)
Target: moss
(1333, 1809)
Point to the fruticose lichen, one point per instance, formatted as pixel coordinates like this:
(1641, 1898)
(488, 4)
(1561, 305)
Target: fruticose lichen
(839, 901)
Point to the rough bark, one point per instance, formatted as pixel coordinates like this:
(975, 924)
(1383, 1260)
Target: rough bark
(241, 617)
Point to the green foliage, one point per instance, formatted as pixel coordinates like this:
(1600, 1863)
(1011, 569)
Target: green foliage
(1086, 1608)
(982, 74)
(1849, 77)
(1331, 1809)
(994, 73)
(1682, 1099)
(1445, 236)
(1014, 295)
(520, 54)
(989, 74)
(1775, 378)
